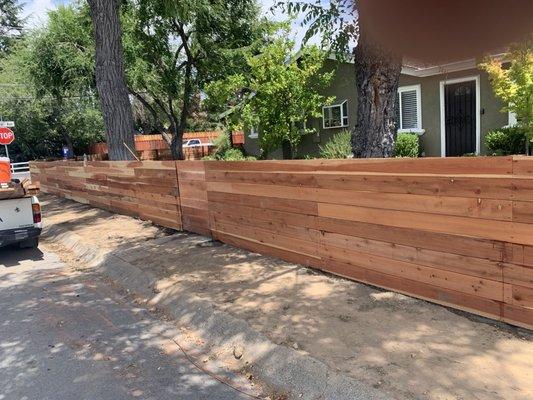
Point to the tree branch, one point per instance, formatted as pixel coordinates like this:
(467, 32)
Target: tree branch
(149, 107)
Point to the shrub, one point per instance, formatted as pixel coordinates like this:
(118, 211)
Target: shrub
(506, 141)
(224, 151)
(338, 146)
(233, 155)
(407, 145)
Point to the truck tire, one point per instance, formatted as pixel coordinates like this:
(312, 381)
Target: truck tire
(29, 243)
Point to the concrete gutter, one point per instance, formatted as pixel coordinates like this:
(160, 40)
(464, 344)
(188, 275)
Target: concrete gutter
(286, 370)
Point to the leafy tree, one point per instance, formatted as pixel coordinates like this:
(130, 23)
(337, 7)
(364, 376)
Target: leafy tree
(513, 84)
(11, 25)
(48, 87)
(174, 48)
(59, 60)
(377, 70)
(110, 78)
(278, 94)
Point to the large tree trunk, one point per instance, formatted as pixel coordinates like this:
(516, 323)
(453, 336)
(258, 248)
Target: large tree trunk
(377, 76)
(177, 141)
(110, 81)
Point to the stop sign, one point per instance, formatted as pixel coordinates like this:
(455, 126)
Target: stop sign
(6, 136)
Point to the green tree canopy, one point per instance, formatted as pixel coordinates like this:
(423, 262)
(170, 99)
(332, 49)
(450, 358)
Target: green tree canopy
(47, 84)
(11, 25)
(173, 49)
(513, 83)
(277, 95)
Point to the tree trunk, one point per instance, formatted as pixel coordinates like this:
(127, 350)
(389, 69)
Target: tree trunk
(377, 77)
(177, 140)
(110, 81)
(286, 150)
(58, 122)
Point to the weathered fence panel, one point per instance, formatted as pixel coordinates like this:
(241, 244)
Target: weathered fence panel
(454, 231)
(147, 190)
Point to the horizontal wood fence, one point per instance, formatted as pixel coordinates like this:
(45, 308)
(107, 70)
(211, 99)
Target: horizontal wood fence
(147, 190)
(454, 231)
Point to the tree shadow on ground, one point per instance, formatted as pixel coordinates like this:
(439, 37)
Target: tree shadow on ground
(65, 335)
(406, 347)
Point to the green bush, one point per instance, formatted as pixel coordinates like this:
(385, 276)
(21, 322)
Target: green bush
(339, 146)
(506, 141)
(407, 145)
(224, 151)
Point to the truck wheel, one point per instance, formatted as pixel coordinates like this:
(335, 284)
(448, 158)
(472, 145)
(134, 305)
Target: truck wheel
(29, 243)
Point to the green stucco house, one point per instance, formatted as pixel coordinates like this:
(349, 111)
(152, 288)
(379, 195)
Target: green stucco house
(451, 106)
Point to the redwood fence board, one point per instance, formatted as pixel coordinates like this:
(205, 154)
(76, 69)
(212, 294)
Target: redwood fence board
(454, 231)
(146, 190)
(193, 196)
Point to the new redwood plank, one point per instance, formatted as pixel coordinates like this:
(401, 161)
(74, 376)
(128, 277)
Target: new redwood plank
(263, 178)
(268, 238)
(516, 315)
(518, 274)
(286, 229)
(522, 165)
(478, 305)
(485, 187)
(487, 229)
(454, 244)
(459, 206)
(523, 211)
(268, 250)
(478, 267)
(432, 276)
(283, 192)
(271, 203)
(277, 218)
(437, 165)
(519, 296)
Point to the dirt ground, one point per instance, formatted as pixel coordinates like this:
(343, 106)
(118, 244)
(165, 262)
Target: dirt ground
(407, 347)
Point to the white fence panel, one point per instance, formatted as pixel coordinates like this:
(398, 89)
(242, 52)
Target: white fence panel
(20, 171)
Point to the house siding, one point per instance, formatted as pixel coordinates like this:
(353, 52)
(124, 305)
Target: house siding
(343, 87)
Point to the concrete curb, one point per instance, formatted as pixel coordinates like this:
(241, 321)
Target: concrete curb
(298, 375)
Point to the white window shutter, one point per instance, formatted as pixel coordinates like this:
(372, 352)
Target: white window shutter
(409, 109)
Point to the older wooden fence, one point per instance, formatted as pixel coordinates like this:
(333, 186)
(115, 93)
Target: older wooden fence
(457, 232)
(147, 190)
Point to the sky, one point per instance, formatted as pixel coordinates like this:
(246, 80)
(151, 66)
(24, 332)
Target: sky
(35, 10)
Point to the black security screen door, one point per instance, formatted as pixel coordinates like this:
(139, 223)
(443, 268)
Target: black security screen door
(460, 118)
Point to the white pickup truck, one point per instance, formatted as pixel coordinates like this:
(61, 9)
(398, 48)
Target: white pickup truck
(20, 222)
(20, 211)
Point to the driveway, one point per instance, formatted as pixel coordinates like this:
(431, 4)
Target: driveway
(65, 334)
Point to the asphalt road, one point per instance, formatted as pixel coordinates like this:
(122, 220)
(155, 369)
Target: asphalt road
(65, 334)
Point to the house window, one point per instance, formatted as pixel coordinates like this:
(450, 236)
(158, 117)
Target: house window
(335, 116)
(254, 133)
(513, 120)
(410, 109)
